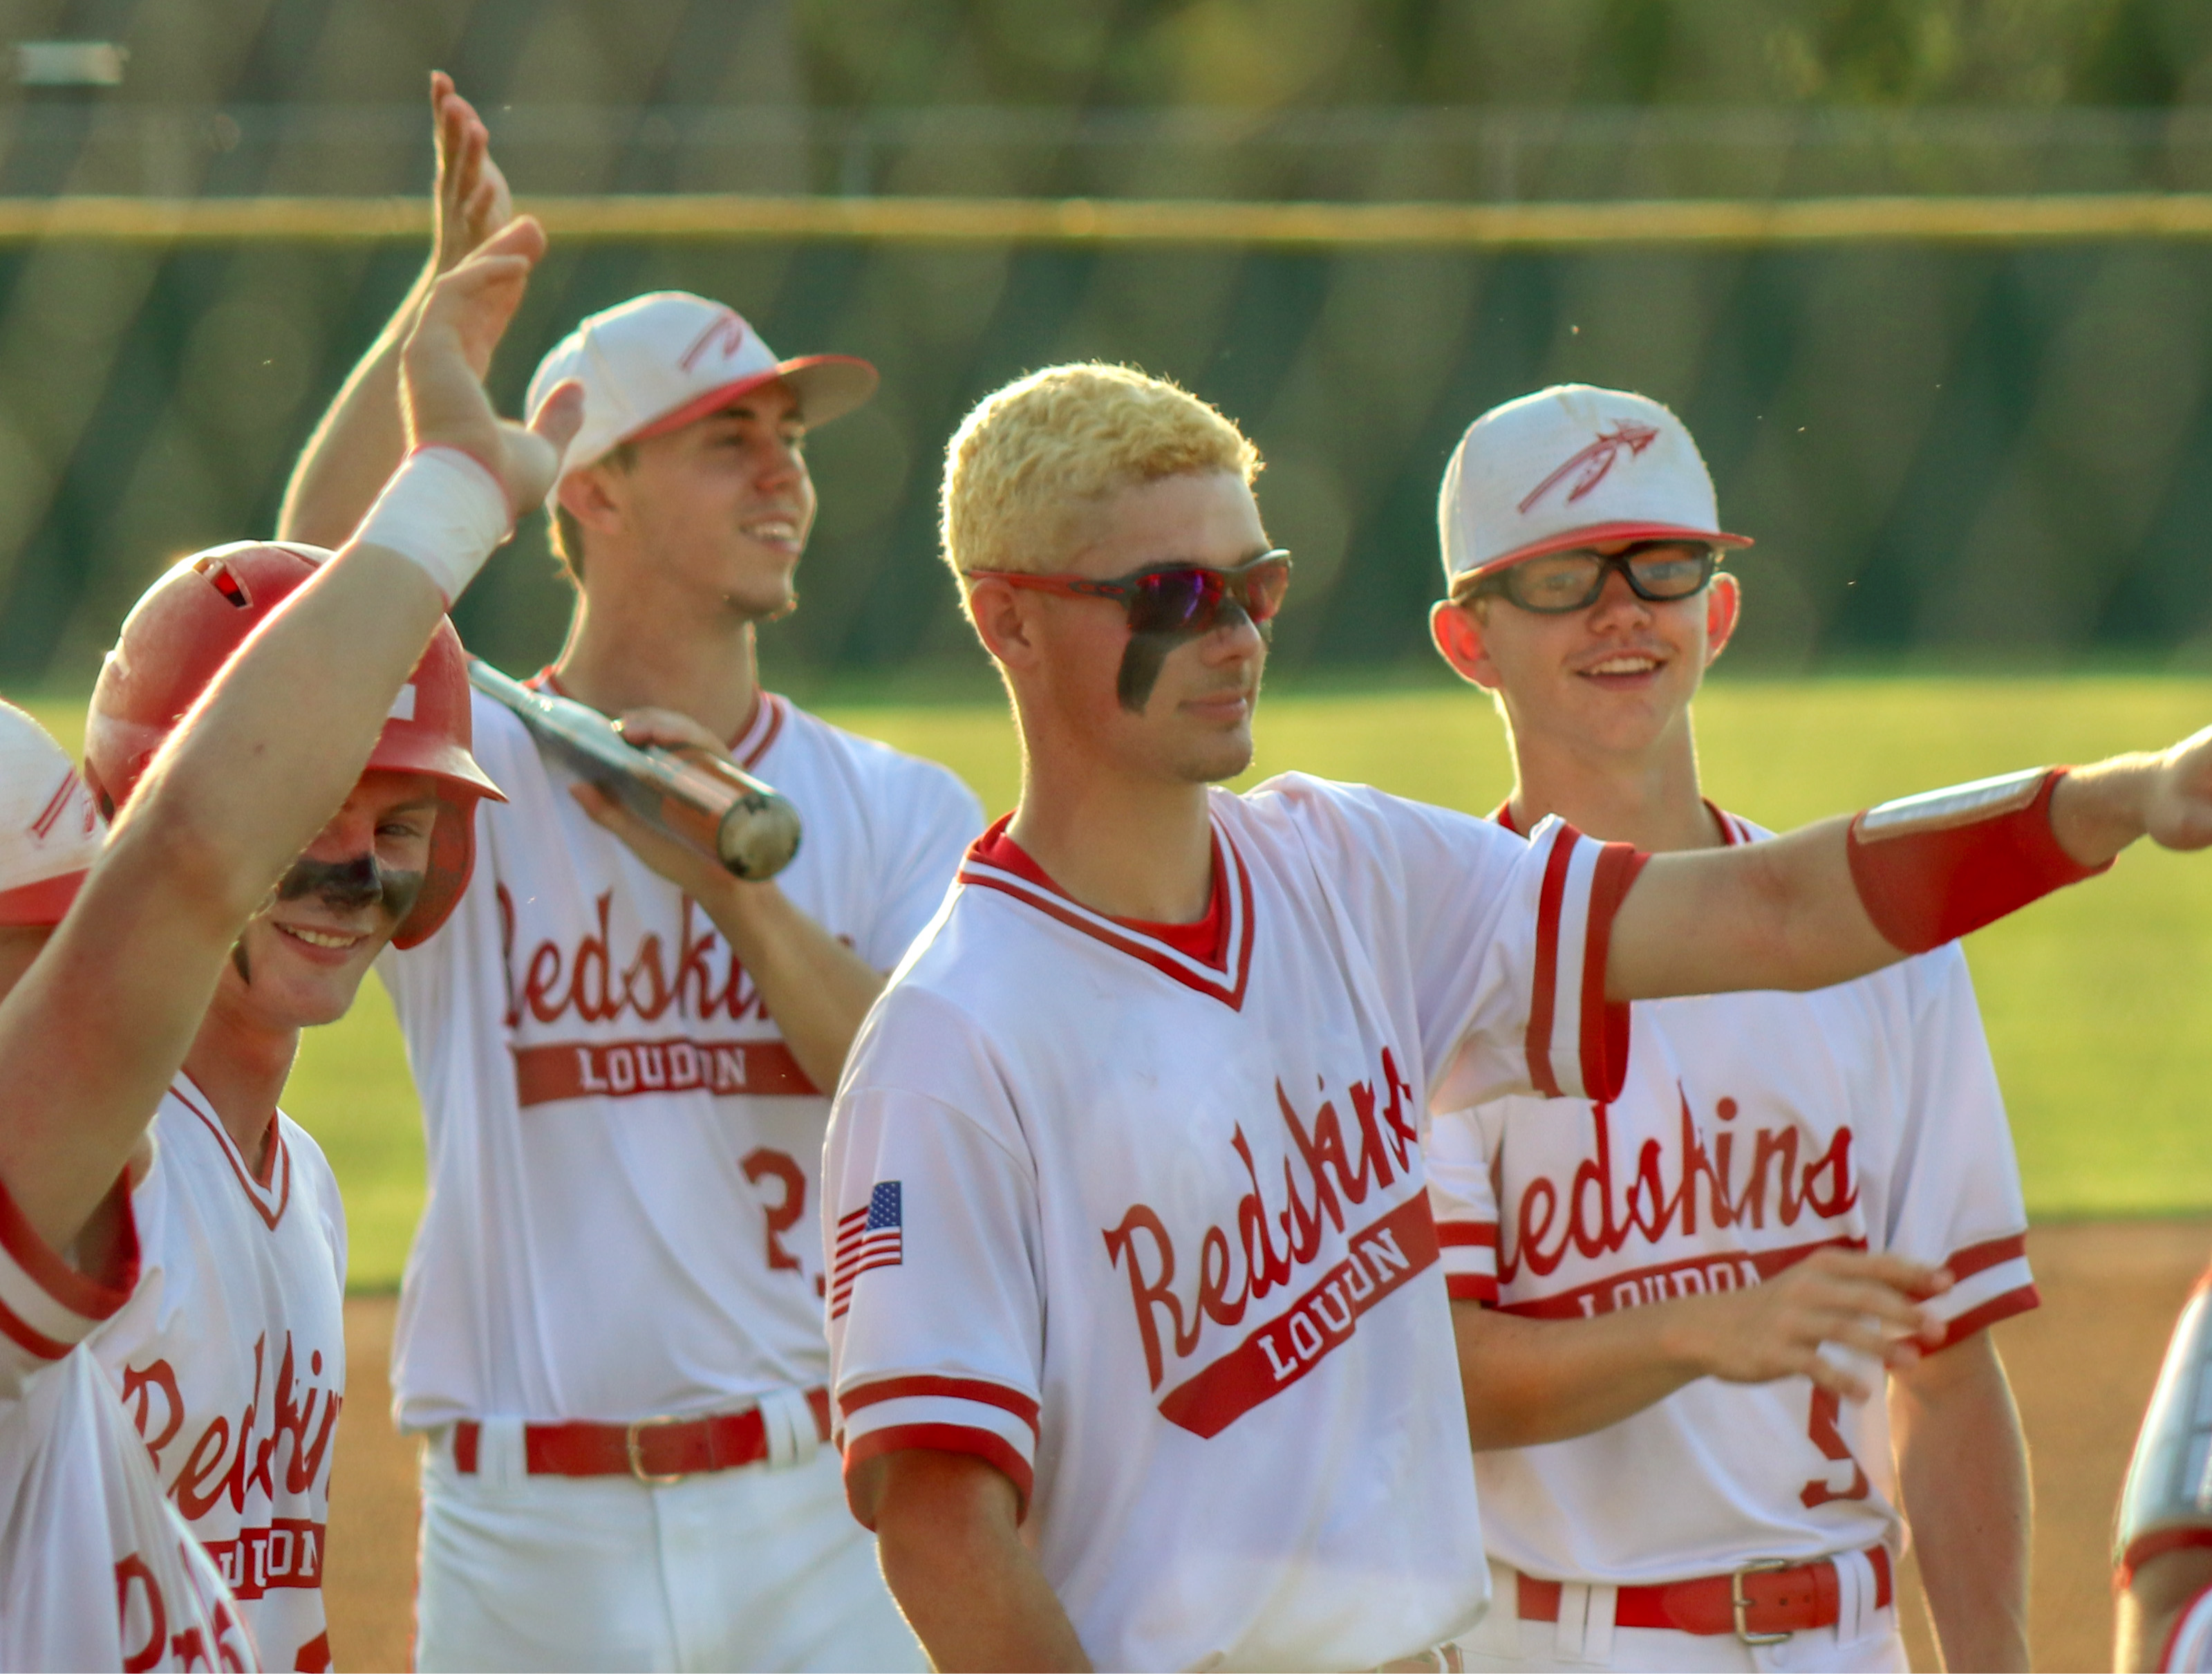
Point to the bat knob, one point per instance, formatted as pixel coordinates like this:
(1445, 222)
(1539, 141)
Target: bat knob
(758, 836)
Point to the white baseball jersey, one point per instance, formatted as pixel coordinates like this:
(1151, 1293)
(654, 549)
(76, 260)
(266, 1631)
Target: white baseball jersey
(230, 1358)
(623, 1154)
(1753, 1129)
(96, 1568)
(1194, 1152)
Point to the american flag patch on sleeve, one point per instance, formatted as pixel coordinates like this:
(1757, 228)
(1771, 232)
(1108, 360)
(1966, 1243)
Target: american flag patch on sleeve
(871, 1236)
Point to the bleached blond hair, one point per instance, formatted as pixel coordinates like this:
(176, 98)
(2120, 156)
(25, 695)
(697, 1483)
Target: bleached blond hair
(1034, 457)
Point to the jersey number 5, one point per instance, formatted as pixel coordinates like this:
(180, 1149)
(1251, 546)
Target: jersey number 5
(1828, 1437)
(783, 1216)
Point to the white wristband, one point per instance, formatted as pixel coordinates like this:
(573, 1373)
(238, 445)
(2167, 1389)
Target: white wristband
(443, 509)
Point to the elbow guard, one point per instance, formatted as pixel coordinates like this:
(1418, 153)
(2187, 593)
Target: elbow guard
(2167, 1502)
(1930, 868)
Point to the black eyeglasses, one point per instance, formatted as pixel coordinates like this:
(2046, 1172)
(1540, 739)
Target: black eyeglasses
(1655, 570)
(1172, 598)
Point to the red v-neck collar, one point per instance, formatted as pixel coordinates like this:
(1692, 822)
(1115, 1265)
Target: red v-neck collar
(746, 749)
(270, 1192)
(1212, 956)
(1733, 830)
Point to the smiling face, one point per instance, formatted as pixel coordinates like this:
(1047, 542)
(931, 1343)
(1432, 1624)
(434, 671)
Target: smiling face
(303, 955)
(1065, 655)
(1616, 677)
(718, 511)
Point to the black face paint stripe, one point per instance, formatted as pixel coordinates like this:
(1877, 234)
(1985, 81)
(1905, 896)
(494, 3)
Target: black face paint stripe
(1147, 653)
(349, 885)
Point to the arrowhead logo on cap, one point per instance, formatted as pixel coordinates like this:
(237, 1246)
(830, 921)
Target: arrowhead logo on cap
(729, 329)
(1594, 461)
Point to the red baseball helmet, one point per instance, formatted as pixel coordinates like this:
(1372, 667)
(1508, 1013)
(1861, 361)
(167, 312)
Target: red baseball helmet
(182, 632)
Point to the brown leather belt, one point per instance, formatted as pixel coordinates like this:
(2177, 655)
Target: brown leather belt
(653, 1450)
(1766, 1600)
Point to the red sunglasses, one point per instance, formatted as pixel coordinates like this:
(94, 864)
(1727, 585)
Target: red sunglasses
(1172, 598)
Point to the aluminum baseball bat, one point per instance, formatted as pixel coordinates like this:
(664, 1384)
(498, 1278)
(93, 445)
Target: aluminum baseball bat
(692, 794)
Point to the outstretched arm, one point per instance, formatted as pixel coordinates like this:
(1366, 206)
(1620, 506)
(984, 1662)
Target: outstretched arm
(1797, 913)
(360, 438)
(99, 1025)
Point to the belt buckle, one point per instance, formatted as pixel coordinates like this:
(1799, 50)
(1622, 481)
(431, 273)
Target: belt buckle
(1742, 1606)
(637, 1459)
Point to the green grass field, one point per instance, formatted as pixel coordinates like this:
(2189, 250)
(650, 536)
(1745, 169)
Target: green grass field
(2099, 1004)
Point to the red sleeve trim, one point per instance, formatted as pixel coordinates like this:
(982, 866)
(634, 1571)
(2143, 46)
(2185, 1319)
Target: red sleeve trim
(1996, 1308)
(1980, 1257)
(1605, 1027)
(1542, 997)
(92, 1296)
(45, 902)
(1463, 1234)
(993, 1449)
(2156, 1545)
(948, 1388)
(1470, 1287)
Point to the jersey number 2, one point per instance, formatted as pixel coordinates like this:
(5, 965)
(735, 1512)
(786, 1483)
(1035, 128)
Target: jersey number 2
(783, 1216)
(1828, 1436)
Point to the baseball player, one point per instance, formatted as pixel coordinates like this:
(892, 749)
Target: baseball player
(1141, 1340)
(96, 1567)
(2162, 1560)
(230, 1357)
(84, 1519)
(611, 1325)
(1643, 1286)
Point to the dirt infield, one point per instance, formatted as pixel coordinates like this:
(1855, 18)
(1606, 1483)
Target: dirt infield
(2082, 1366)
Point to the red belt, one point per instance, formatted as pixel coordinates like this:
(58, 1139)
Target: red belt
(653, 1450)
(1769, 1599)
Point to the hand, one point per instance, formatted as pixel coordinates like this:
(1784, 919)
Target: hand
(692, 869)
(2177, 813)
(670, 730)
(698, 875)
(1775, 1330)
(471, 200)
(441, 388)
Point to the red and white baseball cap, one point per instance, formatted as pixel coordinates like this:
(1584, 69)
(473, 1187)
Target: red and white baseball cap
(50, 833)
(1569, 467)
(662, 359)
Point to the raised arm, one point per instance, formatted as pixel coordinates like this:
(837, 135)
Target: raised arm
(1836, 900)
(99, 1025)
(360, 438)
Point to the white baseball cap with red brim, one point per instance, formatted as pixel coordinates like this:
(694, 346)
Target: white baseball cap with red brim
(1571, 465)
(661, 360)
(50, 833)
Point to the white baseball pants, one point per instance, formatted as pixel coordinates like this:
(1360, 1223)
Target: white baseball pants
(759, 1568)
(1585, 1638)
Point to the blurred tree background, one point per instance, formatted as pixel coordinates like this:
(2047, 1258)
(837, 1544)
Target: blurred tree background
(1998, 453)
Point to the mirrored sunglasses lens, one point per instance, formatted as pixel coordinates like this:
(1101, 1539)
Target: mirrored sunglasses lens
(1170, 600)
(1265, 585)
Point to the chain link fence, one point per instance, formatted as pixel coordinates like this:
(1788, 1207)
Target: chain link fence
(1991, 452)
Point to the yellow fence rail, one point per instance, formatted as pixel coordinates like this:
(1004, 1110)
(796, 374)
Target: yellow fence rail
(1715, 222)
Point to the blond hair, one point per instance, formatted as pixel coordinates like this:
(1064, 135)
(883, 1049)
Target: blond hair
(1033, 455)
